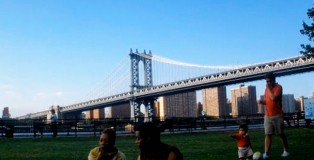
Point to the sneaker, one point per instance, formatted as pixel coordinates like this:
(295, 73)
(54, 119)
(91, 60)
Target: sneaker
(285, 154)
(265, 156)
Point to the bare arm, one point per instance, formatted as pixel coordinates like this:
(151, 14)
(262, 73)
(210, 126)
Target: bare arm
(275, 95)
(235, 136)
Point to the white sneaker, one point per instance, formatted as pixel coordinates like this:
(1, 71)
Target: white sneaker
(265, 156)
(285, 154)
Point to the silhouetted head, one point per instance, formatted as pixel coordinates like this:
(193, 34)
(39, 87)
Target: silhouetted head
(147, 134)
(270, 79)
(270, 75)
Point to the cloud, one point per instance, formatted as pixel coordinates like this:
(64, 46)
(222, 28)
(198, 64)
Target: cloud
(40, 96)
(59, 94)
(8, 90)
(10, 93)
(6, 87)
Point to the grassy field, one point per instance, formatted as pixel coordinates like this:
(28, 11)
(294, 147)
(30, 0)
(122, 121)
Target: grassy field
(194, 146)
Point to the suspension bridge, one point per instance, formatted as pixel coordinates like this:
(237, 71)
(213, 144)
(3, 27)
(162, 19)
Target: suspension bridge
(153, 76)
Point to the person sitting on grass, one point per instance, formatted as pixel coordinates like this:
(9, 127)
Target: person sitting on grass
(151, 148)
(243, 143)
(106, 149)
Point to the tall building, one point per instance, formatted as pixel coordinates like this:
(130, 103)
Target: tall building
(117, 111)
(199, 111)
(299, 104)
(243, 100)
(215, 101)
(288, 103)
(177, 105)
(121, 111)
(95, 114)
(6, 113)
(229, 105)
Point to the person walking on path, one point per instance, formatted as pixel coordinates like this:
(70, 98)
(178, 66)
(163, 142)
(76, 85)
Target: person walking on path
(54, 123)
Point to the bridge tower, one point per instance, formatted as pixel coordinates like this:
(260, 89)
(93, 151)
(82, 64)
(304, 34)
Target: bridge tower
(137, 58)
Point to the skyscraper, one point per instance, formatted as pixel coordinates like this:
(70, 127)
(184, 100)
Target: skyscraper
(215, 101)
(177, 105)
(299, 104)
(243, 100)
(6, 113)
(288, 103)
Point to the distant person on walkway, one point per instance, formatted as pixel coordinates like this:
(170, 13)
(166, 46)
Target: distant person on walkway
(244, 143)
(54, 123)
(274, 116)
(106, 149)
(150, 146)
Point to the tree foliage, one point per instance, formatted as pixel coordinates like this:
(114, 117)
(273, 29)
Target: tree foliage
(308, 30)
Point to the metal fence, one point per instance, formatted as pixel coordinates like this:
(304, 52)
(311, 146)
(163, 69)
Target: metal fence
(92, 127)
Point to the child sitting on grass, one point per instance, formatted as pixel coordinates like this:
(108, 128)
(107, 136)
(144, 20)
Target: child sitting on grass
(243, 143)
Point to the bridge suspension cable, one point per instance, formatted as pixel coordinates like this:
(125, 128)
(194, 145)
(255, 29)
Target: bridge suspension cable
(115, 82)
(174, 62)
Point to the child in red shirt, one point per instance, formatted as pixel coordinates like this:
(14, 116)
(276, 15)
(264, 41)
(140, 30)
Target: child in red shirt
(243, 143)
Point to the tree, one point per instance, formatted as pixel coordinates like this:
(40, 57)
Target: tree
(308, 30)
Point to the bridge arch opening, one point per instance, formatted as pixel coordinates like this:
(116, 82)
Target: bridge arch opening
(141, 73)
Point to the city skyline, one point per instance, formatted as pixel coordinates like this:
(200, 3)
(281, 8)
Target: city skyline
(55, 52)
(245, 92)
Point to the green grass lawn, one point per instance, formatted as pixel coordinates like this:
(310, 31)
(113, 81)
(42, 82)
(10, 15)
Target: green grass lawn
(194, 146)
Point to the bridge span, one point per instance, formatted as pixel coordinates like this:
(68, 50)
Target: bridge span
(285, 67)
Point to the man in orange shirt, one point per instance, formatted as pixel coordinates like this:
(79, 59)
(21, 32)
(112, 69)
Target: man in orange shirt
(273, 120)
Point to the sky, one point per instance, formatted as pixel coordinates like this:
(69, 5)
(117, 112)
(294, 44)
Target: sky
(52, 52)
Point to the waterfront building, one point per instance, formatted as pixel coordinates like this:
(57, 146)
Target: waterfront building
(6, 113)
(215, 101)
(176, 105)
(288, 103)
(95, 114)
(120, 111)
(243, 100)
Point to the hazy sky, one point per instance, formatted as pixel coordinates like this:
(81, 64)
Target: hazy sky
(53, 51)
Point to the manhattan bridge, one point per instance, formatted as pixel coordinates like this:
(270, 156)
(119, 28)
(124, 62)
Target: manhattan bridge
(147, 76)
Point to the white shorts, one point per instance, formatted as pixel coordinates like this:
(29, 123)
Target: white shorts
(244, 152)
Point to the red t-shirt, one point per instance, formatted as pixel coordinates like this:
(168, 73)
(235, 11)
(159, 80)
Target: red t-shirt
(242, 140)
(274, 107)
